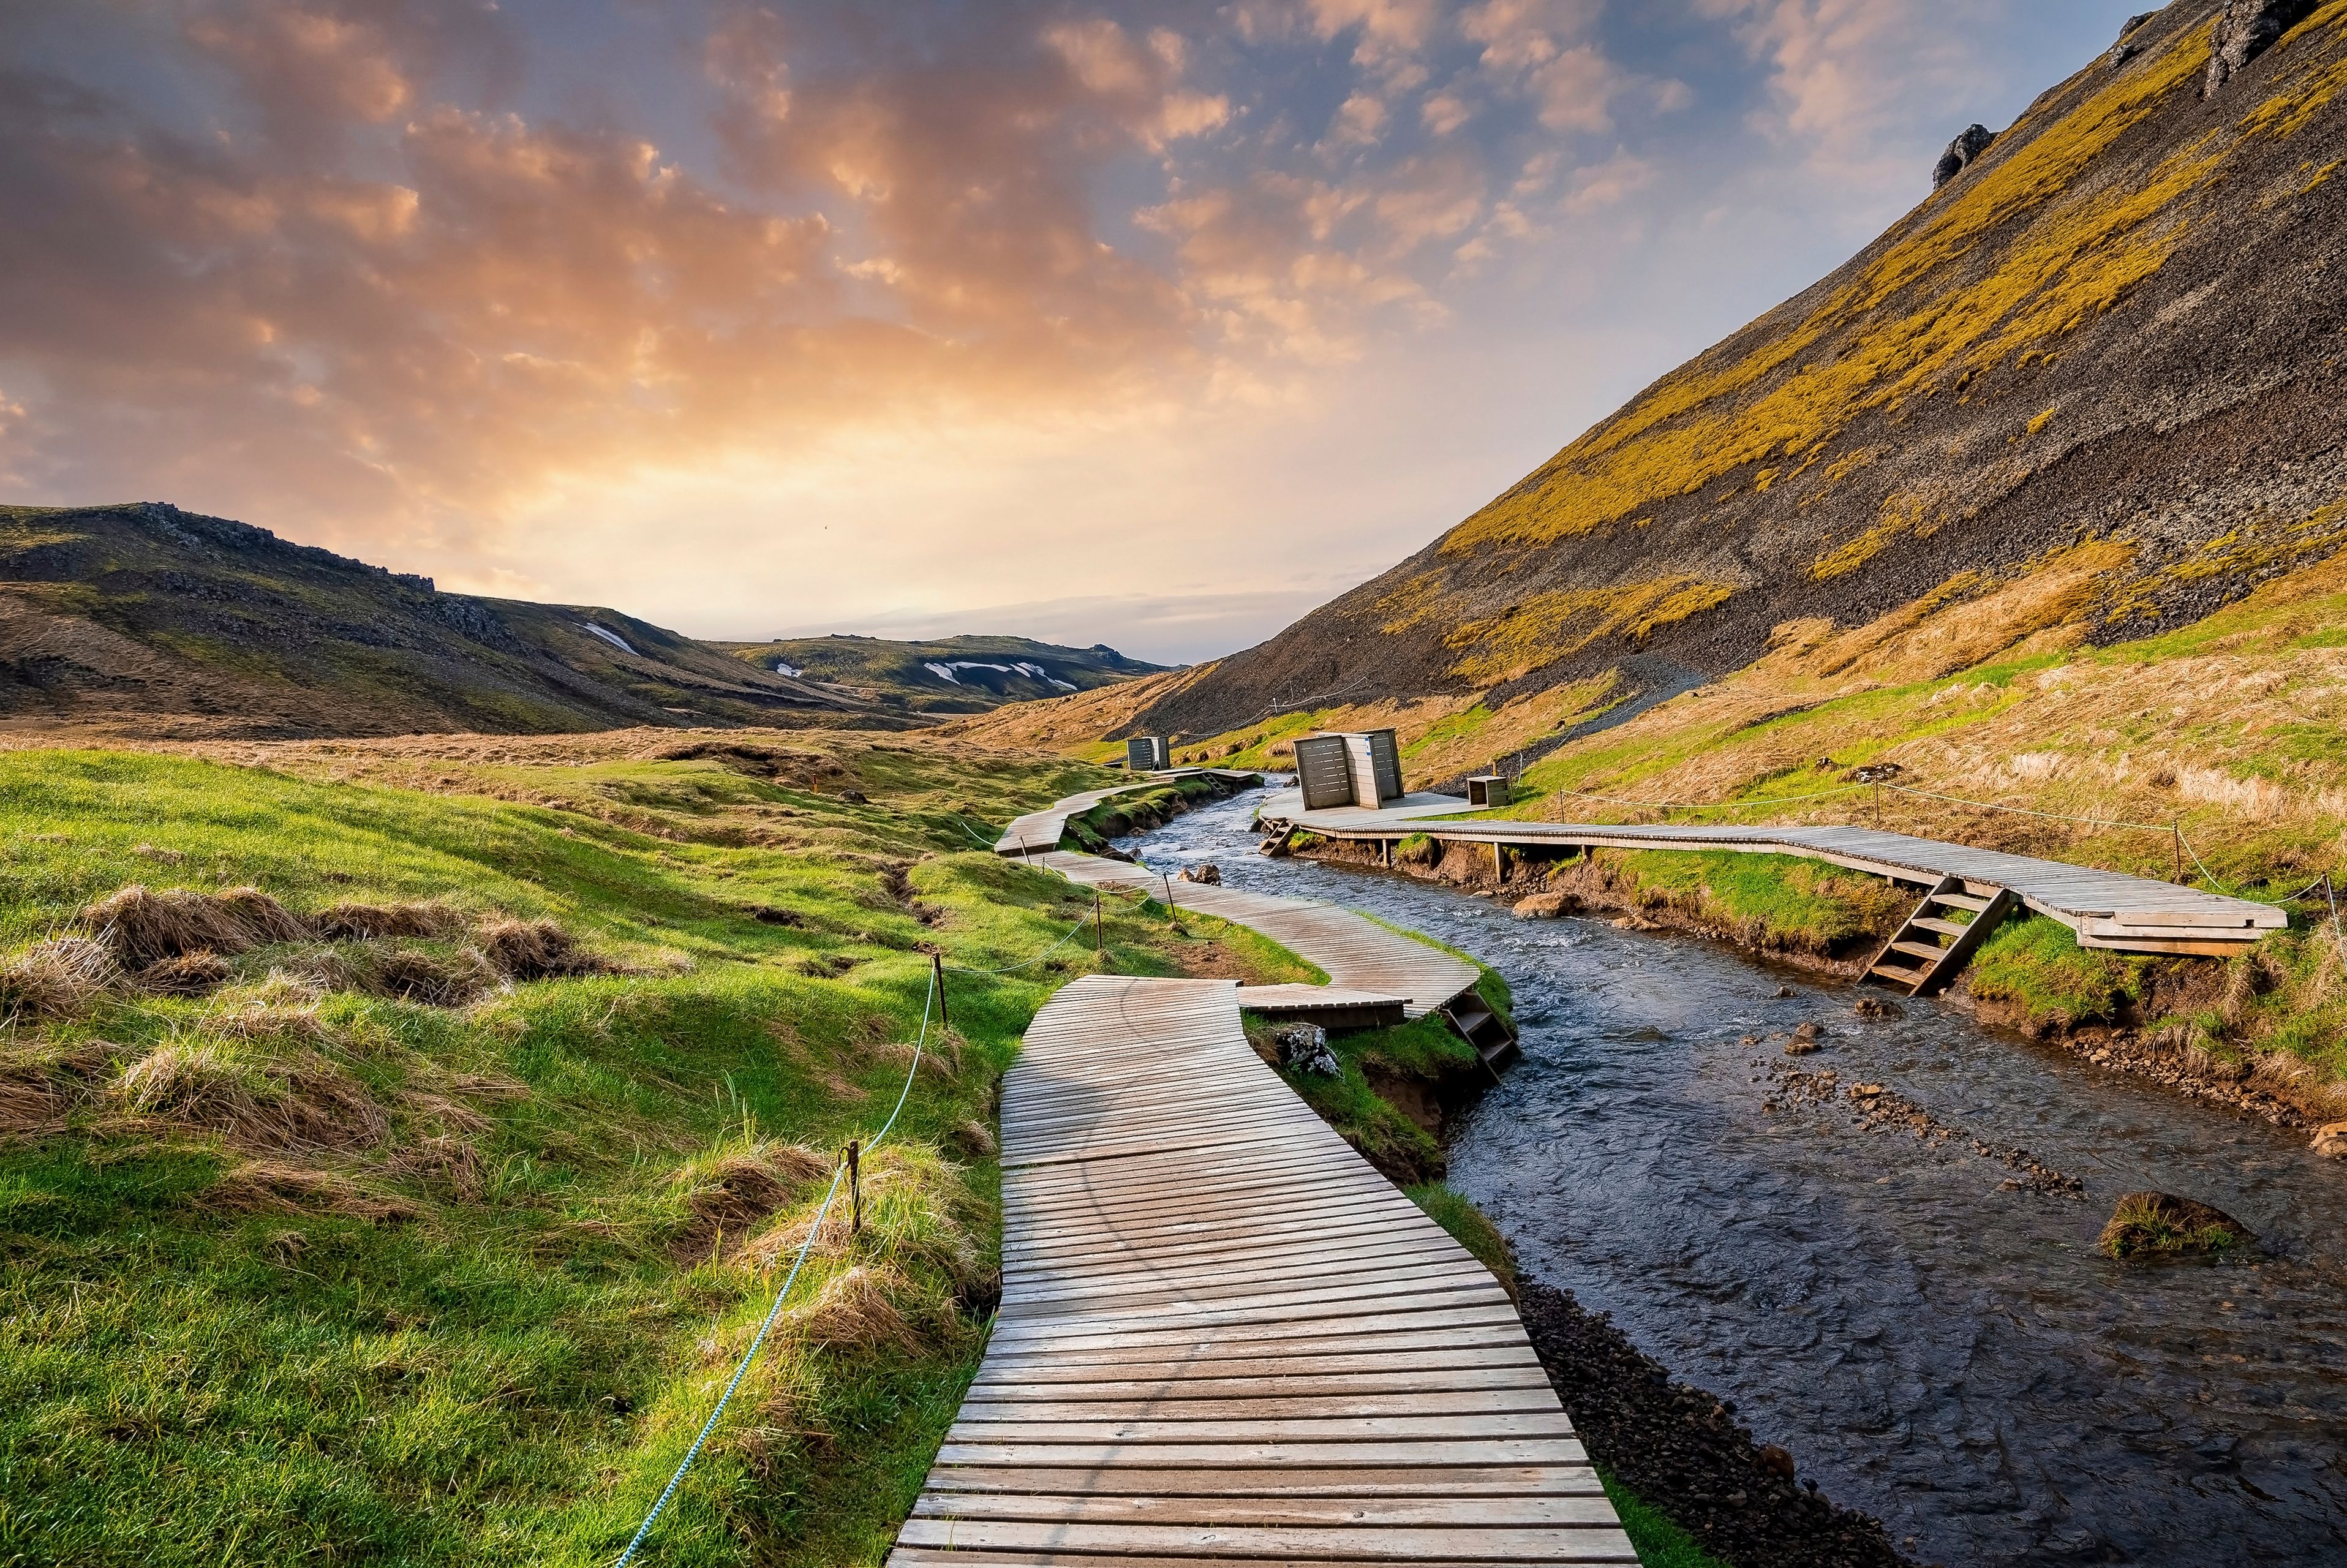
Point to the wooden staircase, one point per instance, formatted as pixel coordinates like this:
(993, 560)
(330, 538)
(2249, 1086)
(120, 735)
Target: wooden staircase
(1940, 937)
(1486, 1031)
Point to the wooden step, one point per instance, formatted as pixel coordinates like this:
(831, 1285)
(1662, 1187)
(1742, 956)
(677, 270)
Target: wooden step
(1927, 923)
(1959, 901)
(1930, 952)
(1892, 971)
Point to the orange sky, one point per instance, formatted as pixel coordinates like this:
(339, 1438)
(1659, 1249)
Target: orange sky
(1145, 323)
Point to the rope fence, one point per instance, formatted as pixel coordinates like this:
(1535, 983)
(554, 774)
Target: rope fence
(932, 1005)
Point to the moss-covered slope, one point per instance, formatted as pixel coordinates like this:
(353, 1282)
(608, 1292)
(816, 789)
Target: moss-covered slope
(2107, 351)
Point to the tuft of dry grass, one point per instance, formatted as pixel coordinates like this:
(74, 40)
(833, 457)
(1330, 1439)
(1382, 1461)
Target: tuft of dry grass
(272, 1186)
(348, 922)
(445, 1160)
(215, 1082)
(536, 950)
(448, 978)
(726, 1193)
(142, 927)
(59, 978)
(263, 920)
(855, 1310)
(189, 975)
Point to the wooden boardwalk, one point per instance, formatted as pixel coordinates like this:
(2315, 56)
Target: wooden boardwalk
(2107, 908)
(1038, 831)
(1223, 1337)
(1361, 958)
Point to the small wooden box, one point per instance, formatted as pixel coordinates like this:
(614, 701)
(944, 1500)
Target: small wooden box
(1487, 789)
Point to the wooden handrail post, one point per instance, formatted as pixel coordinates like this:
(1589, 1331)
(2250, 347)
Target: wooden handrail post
(1099, 942)
(938, 979)
(855, 1188)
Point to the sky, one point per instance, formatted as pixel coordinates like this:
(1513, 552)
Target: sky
(1147, 323)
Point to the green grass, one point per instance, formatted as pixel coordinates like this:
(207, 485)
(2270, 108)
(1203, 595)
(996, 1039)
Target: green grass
(1469, 1226)
(1778, 902)
(483, 1325)
(2036, 966)
(1660, 1543)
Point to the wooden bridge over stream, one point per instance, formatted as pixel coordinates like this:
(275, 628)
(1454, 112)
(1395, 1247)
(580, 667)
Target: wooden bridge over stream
(1224, 1337)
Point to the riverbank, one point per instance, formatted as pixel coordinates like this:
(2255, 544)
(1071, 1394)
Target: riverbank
(1694, 1487)
(2238, 1032)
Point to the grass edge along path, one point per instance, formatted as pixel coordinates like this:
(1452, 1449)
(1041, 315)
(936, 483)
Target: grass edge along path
(481, 1315)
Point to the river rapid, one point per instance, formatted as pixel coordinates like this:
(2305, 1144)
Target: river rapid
(1936, 1346)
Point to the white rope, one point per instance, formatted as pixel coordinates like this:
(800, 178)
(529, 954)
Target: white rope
(643, 1530)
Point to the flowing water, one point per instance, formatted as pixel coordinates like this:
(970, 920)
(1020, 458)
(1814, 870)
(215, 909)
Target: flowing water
(1940, 1349)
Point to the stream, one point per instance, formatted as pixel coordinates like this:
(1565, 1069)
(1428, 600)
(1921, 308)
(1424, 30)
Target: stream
(1947, 1352)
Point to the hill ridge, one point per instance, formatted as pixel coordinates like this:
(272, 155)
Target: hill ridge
(2112, 338)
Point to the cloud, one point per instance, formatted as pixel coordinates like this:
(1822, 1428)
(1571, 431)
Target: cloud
(434, 279)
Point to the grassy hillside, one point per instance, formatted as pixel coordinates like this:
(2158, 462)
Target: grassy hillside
(2105, 354)
(145, 620)
(952, 675)
(395, 1175)
(2227, 731)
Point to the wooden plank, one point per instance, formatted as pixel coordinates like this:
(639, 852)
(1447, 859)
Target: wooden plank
(1389, 1481)
(1581, 1503)
(1240, 1344)
(1391, 1543)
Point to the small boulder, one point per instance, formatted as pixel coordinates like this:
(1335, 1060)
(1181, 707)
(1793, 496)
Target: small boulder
(1547, 906)
(2163, 1224)
(1879, 1007)
(1303, 1048)
(1776, 1461)
(1962, 153)
(2330, 1139)
(1209, 875)
(2244, 30)
(1782, 993)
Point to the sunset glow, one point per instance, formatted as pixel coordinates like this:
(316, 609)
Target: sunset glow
(1147, 323)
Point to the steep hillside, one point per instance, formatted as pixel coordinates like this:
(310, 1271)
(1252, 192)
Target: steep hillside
(2106, 355)
(150, 618)
(954, 675)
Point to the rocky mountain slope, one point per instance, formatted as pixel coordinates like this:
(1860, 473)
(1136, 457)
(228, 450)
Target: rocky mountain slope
(951, 675)
(145, 617)
(2104, 355)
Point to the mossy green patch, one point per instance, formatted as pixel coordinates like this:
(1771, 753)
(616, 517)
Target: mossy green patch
(294, 1271)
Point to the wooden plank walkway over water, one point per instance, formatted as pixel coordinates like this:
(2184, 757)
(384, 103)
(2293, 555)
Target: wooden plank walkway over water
(1224, 1337)
(2107, 908)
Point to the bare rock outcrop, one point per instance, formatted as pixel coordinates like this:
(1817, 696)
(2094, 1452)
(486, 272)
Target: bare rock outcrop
(1962, 152)
(2245, 29)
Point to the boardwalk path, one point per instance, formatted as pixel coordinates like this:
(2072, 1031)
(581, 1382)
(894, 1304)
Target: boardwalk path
(2107, 908)
(1223, 1337)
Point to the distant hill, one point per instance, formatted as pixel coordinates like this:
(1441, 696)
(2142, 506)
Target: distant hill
(957, 675)
(146, 616)
(2103, 363)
